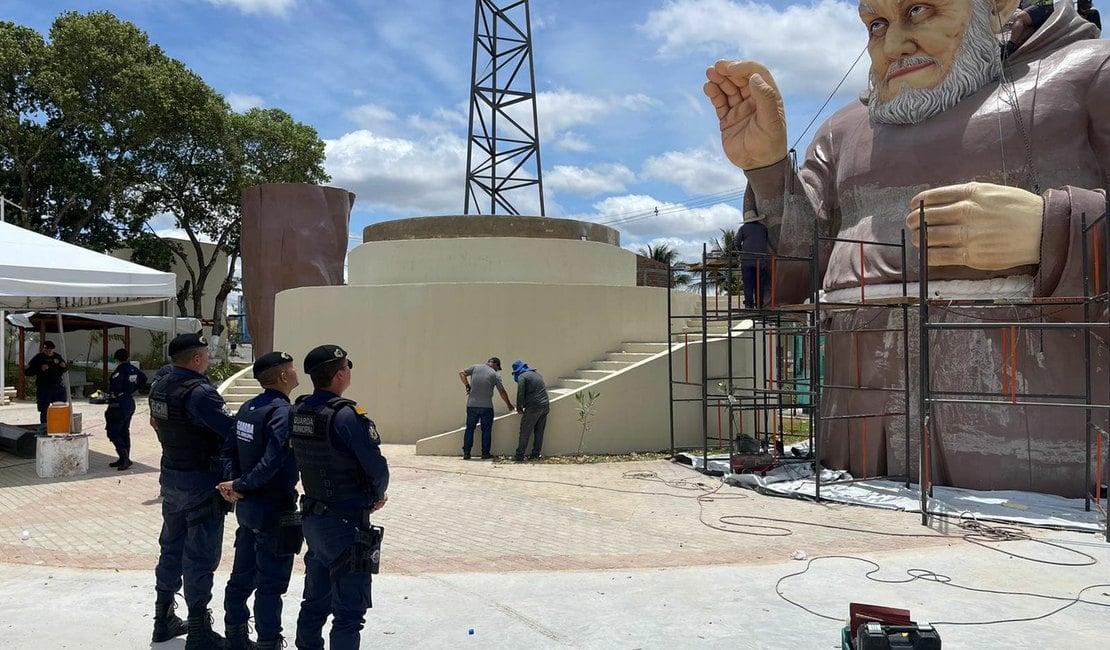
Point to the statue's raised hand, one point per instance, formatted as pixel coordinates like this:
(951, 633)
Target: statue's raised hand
(749, 107)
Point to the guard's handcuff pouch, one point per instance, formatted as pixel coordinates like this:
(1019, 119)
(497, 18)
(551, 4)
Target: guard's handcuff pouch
(287, 537)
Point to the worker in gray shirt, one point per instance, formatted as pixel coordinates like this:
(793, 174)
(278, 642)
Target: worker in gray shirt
(480, 380)
(533, 405)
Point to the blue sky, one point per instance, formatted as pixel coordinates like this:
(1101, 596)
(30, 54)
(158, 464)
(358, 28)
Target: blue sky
(624, 125)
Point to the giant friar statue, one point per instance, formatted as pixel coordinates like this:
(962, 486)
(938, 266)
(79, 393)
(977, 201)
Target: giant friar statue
(1008, 148)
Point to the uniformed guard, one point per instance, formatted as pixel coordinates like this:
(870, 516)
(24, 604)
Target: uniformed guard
(344, 478)
(192, 425)
(122, 384)
(269, 533)
(47, 367)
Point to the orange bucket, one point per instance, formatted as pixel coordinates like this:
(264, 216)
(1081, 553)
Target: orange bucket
(59, 418)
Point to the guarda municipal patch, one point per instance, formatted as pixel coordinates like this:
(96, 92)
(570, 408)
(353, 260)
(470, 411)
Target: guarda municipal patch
(373, 431)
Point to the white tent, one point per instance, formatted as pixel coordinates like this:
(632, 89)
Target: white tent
(38, 273)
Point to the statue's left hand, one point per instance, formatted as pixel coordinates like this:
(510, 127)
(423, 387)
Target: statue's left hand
(979, 225)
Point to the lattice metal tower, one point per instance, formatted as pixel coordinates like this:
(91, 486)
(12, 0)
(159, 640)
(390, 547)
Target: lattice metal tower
(503, 142)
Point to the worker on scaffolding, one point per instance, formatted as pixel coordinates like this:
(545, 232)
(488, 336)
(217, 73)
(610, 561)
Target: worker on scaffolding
(753, 243)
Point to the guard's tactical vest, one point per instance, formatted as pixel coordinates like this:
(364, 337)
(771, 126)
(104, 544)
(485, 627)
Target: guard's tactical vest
(326, 474)
(186, 447)
(252, 436)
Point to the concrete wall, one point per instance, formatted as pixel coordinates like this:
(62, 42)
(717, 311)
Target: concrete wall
(502, 259)
(631, 413)
(483, 226)
(408, 342)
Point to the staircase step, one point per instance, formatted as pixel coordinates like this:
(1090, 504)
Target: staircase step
(632, 357)
(651, 348)
(574, 384)
(593, 375)
(611, 366)
(552, 393)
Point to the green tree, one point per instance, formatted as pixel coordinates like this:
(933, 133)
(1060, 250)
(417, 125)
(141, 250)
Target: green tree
(668, 255)
(80, 115)
(201, 170)
(723, 280)
(100, 131)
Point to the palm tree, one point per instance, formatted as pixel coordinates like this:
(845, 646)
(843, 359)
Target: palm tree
(668, 255)
(720, 279)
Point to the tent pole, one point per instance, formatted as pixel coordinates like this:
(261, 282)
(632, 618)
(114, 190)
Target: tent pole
(65, 353)
(20, 377)
(104, 362)
(3, 351)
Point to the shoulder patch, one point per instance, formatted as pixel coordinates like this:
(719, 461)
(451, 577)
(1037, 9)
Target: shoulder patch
(373, 431)
(360, 410)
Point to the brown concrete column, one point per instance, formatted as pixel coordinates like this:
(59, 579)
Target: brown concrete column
(294, 235)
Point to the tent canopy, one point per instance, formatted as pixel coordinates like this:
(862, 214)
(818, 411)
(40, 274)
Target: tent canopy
(91, 321)
(40, 273)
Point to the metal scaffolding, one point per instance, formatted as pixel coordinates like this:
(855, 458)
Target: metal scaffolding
(786, 378)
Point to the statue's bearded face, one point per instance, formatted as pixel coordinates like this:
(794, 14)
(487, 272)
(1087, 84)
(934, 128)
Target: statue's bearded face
(927, 56)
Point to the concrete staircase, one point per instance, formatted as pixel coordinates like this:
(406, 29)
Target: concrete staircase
(605, 367)
(239, 388)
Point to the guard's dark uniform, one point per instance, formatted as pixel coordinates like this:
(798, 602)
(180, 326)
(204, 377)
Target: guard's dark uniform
(192, 426)
(343, 474)
(122, 384)
(269, 533)
(48, 381)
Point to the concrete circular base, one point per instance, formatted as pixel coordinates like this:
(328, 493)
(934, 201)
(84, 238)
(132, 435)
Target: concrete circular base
(456, 226)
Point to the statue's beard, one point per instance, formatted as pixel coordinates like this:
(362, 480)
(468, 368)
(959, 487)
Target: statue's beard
(977, 64)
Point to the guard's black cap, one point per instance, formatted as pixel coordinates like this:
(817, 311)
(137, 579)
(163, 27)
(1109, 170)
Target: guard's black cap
(323, 354)
(187, 342)
(271, 360)
(495, 360)
(49, 345)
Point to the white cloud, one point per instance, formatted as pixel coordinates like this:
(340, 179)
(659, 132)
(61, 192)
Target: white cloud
(442, 120)
(242, 102)
(563, 109)
(277, 7)
(571, 141)
(697, 171)
(588, 181)
(807, 46)
(370, 116)
(635, 216)
(408, 176)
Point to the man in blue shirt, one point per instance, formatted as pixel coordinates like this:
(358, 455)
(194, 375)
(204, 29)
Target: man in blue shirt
(122, 384)
(269, 533)
(192, 424)
(344, 477)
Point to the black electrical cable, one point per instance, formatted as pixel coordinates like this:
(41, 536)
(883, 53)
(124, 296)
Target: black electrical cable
(930, 576)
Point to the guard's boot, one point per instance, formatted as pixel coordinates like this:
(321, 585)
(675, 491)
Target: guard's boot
(125, 460)
(118, 461)
(201, 635)
(238, 638)
(167, 625)
(272, 644)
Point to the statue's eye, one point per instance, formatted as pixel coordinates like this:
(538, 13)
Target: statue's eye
(877, 27)
(917, 11)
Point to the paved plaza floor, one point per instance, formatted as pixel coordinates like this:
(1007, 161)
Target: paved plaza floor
(612, 555)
